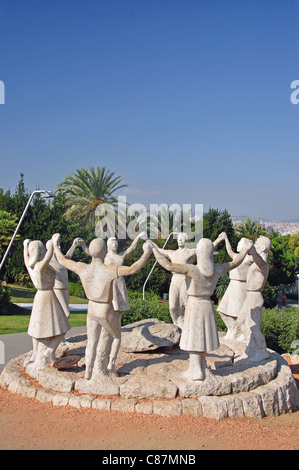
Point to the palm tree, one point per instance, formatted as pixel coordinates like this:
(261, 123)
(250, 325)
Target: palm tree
(222, 285)
(250, 229)
(88, 188)
(164, 221)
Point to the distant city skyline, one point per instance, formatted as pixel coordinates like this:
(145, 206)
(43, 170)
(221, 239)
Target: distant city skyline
(157, 197)
(190, 102)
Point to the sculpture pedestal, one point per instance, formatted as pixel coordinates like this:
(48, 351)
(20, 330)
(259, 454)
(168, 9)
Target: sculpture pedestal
(153, 383)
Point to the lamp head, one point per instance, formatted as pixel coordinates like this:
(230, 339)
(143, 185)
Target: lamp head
(46, 194)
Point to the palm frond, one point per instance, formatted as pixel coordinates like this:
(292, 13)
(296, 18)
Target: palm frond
(87, 188)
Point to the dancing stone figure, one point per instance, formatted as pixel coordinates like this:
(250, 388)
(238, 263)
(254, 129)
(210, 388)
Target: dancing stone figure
(231, 305)
(256, 349)
(177, 289)
(97, 279)
(120, 300)
(61, 285)
(48, 322)
(199, 334)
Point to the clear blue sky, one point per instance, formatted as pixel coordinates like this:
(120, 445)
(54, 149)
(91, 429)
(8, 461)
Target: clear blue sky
(188, 100)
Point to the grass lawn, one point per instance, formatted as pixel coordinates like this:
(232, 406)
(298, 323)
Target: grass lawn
(19, 323)
(26, 295)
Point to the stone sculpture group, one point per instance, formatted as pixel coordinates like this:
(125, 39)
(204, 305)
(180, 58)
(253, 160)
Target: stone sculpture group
(190, 304)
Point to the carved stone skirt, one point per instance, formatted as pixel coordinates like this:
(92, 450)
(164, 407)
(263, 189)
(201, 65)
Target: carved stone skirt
(47, 317)
(199, 332)
(120, 300)
(232, 302)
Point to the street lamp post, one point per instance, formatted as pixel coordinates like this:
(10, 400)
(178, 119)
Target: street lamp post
(143, 290)
(43, 193)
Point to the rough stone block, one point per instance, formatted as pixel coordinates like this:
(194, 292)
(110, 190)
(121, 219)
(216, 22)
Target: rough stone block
(191, 406)
(167, 408)
(252, 404)
(125, 404)
(55, 380)
(44, 396)
(214, 407)
(270, 400)
(101, 404)
(147, 387)
(145, 407)
(149, 334)
(234, 406)
(28, 391)
(61, 399)
(16, 385)
(97, 387)
(81, 401)
(214, 384)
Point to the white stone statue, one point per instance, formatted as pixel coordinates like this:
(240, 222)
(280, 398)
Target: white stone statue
(257, 274)
(120, 300)
(48, 322)
(97, 280)
(61, 285)
(230, 307)
(177, 289)
(199, 334)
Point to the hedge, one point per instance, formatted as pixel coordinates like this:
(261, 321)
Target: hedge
(280, 326)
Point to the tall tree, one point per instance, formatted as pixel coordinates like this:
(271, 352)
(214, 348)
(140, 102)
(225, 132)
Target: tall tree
(282, 261)
(86, 189)
(8, 224)
(216, 221)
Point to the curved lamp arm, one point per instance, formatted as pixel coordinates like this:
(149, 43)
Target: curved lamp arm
(149, 274)
(43, 194)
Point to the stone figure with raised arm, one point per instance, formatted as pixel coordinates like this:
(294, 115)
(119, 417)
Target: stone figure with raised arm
(230, 307)
(177, 288)
(199, 334)
(48, 322)
(257, 274)
(97, 279)
(120, 300)
(61, 285)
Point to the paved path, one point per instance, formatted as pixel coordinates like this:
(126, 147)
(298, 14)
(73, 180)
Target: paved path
(19, 343)
(72, 307)
(15, 344)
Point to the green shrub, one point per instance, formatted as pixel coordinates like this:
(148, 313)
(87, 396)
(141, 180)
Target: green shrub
(270, 295)
(220, 323)
(151, 307)
(5, 292)
(76, 290)
(23, 279)
(280, 326)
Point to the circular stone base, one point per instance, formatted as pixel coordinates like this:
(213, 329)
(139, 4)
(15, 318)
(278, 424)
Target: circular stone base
(153, 383)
